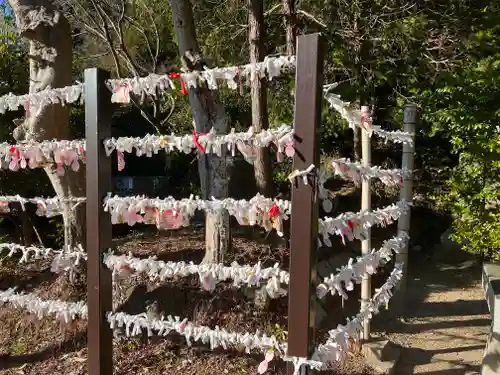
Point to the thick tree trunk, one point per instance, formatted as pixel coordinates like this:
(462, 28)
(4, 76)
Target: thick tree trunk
(290, 22)
(256, 36)
(207, 113)
(49, 34)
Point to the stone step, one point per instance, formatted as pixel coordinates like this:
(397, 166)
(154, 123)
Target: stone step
(377, 347)
(382, 355)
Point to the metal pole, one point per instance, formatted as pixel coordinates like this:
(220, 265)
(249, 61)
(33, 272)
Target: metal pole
(304, 220)
(411, 118)
(99, 283)
(366, 205)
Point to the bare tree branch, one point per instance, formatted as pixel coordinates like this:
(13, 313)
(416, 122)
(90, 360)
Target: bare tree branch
(312, 18)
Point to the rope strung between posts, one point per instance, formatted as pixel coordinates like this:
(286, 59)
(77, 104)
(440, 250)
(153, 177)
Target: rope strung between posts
(230, 77)
(337, 345)
(72, 153)
(171, 213)
(353, 116)
(210, 275)
(334, 349)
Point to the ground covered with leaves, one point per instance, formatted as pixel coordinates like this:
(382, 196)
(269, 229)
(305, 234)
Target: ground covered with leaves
(32, 346)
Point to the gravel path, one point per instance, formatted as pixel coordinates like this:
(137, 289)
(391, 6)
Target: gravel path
(447, 321)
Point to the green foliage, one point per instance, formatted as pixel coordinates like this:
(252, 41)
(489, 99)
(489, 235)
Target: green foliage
(464, 106)
(279, 332)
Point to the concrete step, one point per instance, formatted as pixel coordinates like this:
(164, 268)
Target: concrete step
(379, 348)
(382, 355)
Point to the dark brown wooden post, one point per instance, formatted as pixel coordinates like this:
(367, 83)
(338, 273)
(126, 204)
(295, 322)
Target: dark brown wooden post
(304, 220)
(99, 283)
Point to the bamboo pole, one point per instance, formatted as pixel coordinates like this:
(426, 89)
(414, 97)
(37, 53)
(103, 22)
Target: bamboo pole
(366, 203)
(410, 120)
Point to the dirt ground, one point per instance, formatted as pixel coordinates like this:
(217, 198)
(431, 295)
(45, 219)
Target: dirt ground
(445, 328)
(444, 334)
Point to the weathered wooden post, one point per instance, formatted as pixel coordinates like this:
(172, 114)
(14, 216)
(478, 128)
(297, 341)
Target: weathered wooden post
(304, 220)
(411, 118)
(99, 283)
(366, 205)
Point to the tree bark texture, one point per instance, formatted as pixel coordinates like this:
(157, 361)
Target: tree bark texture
(207, 114)
(50, 52)
(258, 92)
(26, 225)
(290, 22)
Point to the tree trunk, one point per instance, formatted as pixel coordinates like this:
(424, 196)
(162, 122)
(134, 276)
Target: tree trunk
(26, 226)
(207, 113)
(49, 34)
(256, 36)
(290, 21)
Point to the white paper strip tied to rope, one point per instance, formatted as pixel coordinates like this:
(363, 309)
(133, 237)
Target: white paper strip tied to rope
(170, 213)
(62, 260)
(47, 207)
(63, 311)
(354, 118)
(271, 67)
(352, 273)
(246, 142)
(209, 274)
(356, 172)
(38, 154)
(218, 337)
(337, 345)
(230, 76)
(35, 101)
(133, 324)
(352, 225)
(396, 136)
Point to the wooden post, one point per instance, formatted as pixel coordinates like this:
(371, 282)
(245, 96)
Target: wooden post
(366, 205)
(99, 283)
(304, 220)
(410, 120)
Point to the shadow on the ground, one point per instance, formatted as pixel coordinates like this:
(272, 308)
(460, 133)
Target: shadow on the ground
(75, 343)
(423, 327)
(26, 281)
(447, 270)
(423, 357)
(455, 308)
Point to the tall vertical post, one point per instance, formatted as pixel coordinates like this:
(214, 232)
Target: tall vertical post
(411, 118)
(366, 205)
(304, 220)
(99, 283)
